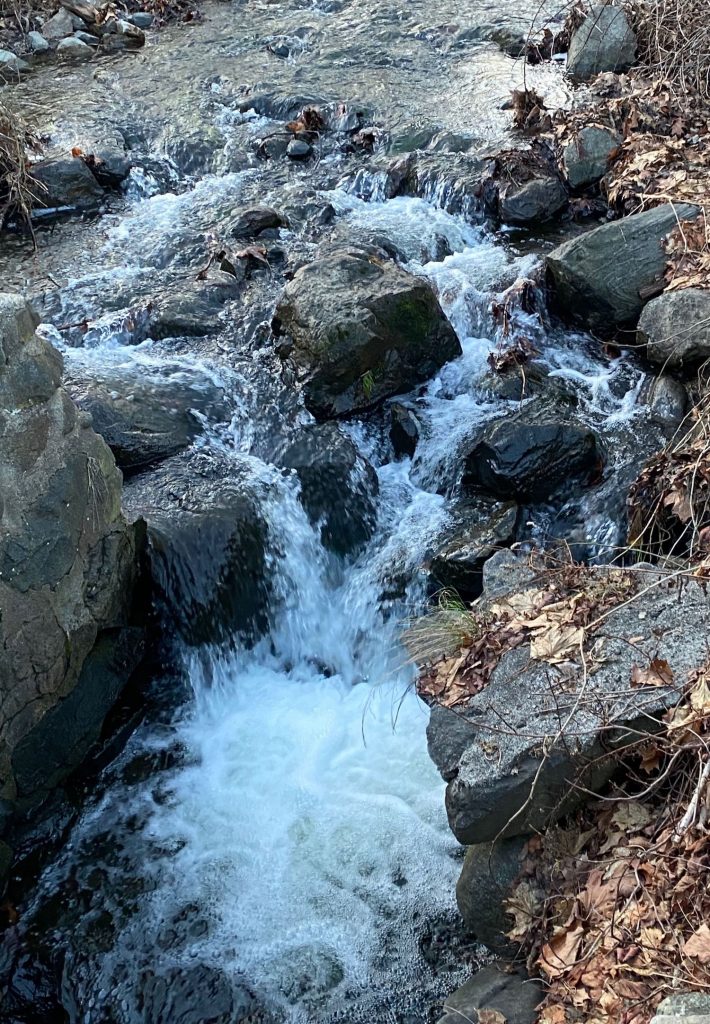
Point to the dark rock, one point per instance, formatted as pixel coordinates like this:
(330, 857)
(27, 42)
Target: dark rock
(6, 856)
(511, 993)
(488, 795)
(604, 41)
(487, 877)
(58, 26)
(528, 456)
(338, 486)
(207, 542)
(86, 37)
(478, 528)
(668, 403)
(362, 329)
(68, 567)
(193, 995)
(675, 328)
(66, 182)
(586, 158)
(298, 149)
(448, 733)
(252, 221)
(142, 420)
(405, 428)
(532, 202)
(143, 19)
(74, 48)
(603, 276)
(193, 308)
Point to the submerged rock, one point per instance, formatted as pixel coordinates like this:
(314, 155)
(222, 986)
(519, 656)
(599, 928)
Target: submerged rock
(68, 567)
(361, 329)
(207, 542)
(605, 276)
(253, 220)
(604, 41)
(509, 993)
(338, 486)
(675, 328)
(528, 456)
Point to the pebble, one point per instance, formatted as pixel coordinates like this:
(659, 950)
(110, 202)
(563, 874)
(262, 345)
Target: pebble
(298, 149)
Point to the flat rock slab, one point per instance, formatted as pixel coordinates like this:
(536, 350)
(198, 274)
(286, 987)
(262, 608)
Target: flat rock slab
(511, 994)
(491, 750)
(602, 276)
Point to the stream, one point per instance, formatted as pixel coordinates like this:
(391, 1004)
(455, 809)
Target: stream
(271, 843)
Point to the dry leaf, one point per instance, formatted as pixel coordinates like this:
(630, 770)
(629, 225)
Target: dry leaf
(491, 1017)
(631, 815)
(698, 945)
(657, 673)
(560, 953)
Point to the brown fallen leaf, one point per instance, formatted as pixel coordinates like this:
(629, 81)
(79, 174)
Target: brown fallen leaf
(560, 953)
(491, 1017)
(657, 673)
(698, 945)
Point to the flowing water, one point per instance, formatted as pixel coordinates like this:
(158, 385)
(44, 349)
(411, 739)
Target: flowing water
(275, 846)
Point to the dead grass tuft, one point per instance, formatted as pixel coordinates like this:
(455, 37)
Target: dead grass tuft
(17, 190)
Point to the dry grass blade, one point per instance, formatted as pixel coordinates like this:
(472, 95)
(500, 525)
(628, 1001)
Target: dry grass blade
(18, 192)
(674, 41)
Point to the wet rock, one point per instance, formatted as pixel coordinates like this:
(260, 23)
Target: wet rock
(487, 877)
(86, 37)
(478, 528)
(448, 735)
(66, 182)
(605, 276)
(74, 48)
(338, 486)
(207, 540)
(252, 221)
(604, 41)
(684, 1008)
(143, 421)
(587, 157)
(675, 328)
(298, 149)
(58, 26)
(362, 329)
(405, 428)
(37, 43)
(668, 403)
(532, 202)
(528, 456)
(143, 19)
(193, 995)
(11, 65)
(512, 994)
(68, 569)
(489, 787)
(192, 309)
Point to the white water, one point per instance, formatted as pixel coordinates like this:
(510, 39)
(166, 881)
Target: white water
(308, 824)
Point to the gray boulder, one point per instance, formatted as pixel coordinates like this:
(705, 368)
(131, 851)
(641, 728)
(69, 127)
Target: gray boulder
(684, 1008)
(668, 403)
(11, 65)
(66, 183)
(605, 276)
(499, 783)
(254, 220)
(586, 158)
(142, 420)
(58, 26)
(486, 880)
(338, 486)
(37, 43)
(604, 41)
(675, 328)
(478, 528)
(511, 993)
(74, 48)
(67, 570)
(361, 329)
(207, 544)
(528, 456)
(531, 202)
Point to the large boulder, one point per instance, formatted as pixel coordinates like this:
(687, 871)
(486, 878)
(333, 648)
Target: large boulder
(528, 456)
(478, 527)
(486, 880)
(66, 183)
(605, 276)
(527, 203)
(675, 328)
(361, 329)
(68, 566)
(338, 486)
(207, 544)
(604, 41)
(520, 779)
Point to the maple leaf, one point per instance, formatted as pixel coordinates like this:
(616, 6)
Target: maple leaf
(657, 673)
(560, 953)
(556, 644)
(631, 815)
(524, 906)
